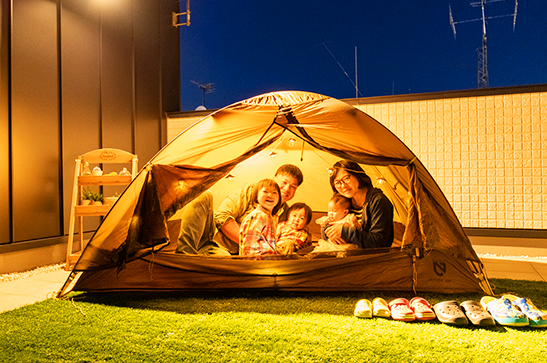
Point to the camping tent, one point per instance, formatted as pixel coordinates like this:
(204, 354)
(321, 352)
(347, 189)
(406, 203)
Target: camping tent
(133, 248)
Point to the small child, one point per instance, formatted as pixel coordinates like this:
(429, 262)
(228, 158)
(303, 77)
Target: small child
(293, 234)
(257, 230)
(338, 212)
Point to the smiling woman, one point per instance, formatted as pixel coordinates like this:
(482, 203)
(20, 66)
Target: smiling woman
(373, 209)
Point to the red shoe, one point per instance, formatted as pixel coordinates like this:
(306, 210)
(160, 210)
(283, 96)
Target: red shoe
(422, 309)
(400, 310)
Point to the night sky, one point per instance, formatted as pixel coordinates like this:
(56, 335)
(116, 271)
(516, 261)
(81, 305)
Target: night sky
(249, 47)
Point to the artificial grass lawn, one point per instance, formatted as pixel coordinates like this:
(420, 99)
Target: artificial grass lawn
(256, 327)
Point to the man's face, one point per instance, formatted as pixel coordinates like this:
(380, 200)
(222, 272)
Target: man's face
(288, 185)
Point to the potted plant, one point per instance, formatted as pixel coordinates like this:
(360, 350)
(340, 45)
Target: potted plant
(97, 199)
(87, 196)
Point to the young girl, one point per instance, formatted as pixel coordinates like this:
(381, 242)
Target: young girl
(257, 231)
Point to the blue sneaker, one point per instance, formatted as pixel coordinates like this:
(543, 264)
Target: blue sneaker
(504, 312)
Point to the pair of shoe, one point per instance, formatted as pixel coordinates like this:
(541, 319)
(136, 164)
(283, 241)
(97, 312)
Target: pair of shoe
(366, 309)
(453, 313)
(510, 310)
(416, 309)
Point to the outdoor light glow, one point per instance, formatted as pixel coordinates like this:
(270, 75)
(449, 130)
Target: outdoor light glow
(381, 180)
(292, 140)
(181, 187)
(272, 155)
(230, 177)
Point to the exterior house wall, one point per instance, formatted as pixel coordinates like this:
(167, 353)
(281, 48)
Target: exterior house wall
(487, 152)
(75, 76)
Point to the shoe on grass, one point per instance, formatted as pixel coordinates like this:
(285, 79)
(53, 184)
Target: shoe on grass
(363, 309)
(477, 314)
(536, 317)
(400, 310)
(422, 309)
(380, 308)
(504, 312)
(449, 312)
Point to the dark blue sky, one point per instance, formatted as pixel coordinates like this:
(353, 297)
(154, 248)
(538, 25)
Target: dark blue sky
(250, 47)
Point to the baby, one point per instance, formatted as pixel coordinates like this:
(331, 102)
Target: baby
(293, 234)
(338, 212)
(257, 230)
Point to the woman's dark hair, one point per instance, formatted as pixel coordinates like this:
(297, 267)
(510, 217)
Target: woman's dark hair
(307, 210)
(267, 183)
(353, 169)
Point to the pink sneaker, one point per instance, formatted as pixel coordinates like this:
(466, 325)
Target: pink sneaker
(400, 310)
(422, 309)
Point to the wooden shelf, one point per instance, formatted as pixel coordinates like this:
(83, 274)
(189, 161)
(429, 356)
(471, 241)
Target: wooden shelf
(104, 179)
(71, 260)
(91, 210)
(78, 212)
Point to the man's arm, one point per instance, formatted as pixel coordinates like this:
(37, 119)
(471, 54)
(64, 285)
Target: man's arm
(233, 209)
(231, 230)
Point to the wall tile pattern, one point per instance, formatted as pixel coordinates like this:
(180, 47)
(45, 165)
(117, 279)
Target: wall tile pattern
(488, 153)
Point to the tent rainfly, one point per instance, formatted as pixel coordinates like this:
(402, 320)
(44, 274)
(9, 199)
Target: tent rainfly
(133, 248)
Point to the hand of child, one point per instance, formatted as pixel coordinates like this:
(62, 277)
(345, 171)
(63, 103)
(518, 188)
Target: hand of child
(285, 247)
(323, 220)
(353, 222)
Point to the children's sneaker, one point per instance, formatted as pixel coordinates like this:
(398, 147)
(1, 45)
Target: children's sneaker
(380, 308)
(400, 310)
(536, 317)
(363, 309)
(504, 312)
(422, 309)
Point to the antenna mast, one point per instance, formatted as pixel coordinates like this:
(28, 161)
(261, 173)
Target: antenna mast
(206, 88)
(482, 70)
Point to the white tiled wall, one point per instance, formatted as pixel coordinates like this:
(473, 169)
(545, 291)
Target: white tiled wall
(175, 125)
(488, 154)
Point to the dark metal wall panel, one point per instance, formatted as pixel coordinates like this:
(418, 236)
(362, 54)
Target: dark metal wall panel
(5, 216)
(117, 74)
(35, 120)
(81, 91)
(76, 76)
(170, 57)
(147, 79)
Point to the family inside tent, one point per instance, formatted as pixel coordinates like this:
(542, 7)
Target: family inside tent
(256, 218)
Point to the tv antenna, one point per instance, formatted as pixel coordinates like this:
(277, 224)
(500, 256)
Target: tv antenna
(357, 92)
(206, 88)
(482, 70)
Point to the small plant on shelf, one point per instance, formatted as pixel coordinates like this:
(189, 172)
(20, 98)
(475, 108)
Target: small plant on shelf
(90, 197)
(87, 196)
(97, 198)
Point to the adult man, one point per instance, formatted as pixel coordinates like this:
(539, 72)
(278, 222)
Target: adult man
(205, 232)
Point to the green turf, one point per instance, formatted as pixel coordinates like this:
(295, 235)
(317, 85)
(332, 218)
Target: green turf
(255, 327)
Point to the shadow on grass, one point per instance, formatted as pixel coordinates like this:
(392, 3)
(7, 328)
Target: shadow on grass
(288, 302)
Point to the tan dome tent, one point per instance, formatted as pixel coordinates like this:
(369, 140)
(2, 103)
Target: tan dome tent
(247, 141)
